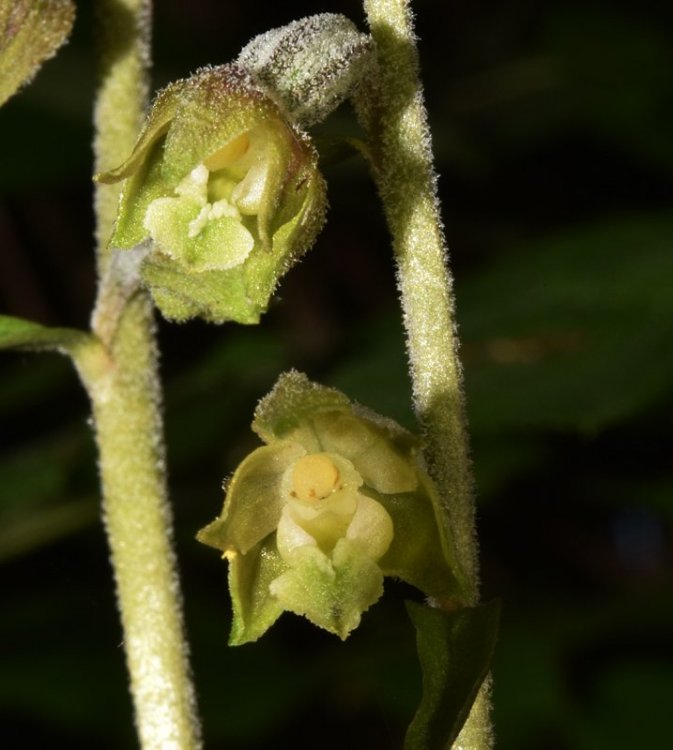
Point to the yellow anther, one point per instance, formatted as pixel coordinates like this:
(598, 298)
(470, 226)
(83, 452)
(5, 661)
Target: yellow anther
(314, 477)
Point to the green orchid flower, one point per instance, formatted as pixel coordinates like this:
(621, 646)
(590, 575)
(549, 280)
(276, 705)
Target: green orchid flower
(225, 193)
(314, 520)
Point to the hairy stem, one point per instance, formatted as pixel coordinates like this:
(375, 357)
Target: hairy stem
(394, 114)
(124, 388)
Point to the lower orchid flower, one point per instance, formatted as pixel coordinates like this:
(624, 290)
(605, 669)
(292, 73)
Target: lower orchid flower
(314, 520)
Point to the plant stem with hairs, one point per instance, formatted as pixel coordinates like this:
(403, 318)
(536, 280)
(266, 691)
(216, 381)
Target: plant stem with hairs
(121, 378)
(393, 112)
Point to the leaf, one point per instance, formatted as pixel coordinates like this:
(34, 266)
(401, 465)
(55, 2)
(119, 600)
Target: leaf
(30, 32)
(567, 332)
(16, 333)
(455, 651)
(571, 331)
(24, 532)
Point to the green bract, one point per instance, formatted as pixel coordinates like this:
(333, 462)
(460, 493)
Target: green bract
(226, 190)
(314, 520)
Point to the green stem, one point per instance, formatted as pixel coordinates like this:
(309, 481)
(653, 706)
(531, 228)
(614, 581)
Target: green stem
(394, 114)
(122, 381)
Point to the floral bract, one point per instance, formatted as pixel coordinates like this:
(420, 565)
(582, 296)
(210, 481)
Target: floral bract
(314, 520)
(227, 192)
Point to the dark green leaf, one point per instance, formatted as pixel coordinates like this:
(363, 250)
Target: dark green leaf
(573, 331)
(455, 651)
(22, 533)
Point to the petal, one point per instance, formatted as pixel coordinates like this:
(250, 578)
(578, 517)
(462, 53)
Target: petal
(328, 525)
(290, 535)
(253, 504)
(167, 221)
(255, 608)
(331, 594)
(371, 528)
(383, 456)
(223, 243)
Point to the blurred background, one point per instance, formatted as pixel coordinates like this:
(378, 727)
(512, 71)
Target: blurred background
(553, 129)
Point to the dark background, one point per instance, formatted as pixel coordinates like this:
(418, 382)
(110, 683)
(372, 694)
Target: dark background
(553, 130)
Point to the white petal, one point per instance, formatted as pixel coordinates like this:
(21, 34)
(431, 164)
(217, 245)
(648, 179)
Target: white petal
(290, 535)
(371, 527)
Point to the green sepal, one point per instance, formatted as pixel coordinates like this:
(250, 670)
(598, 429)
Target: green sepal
(162, 111)
(250, 575)
(418, 553)
(455, 651)
(142, 187)
(16, 333)
(285, 413)
(214, 106)
(215, 296)
(253, 503)
(143, 170)
(31, 31)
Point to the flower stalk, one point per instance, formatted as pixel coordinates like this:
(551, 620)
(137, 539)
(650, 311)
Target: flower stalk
(122, 381)
(393, 112)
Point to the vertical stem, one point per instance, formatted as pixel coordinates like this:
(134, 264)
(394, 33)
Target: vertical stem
(404, 171)
(126, 405)
(403, 164)
(124, 388)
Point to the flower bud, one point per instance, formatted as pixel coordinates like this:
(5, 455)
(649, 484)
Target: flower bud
(313, 520)
(226, 190)
(312, 64)
(30, 32)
